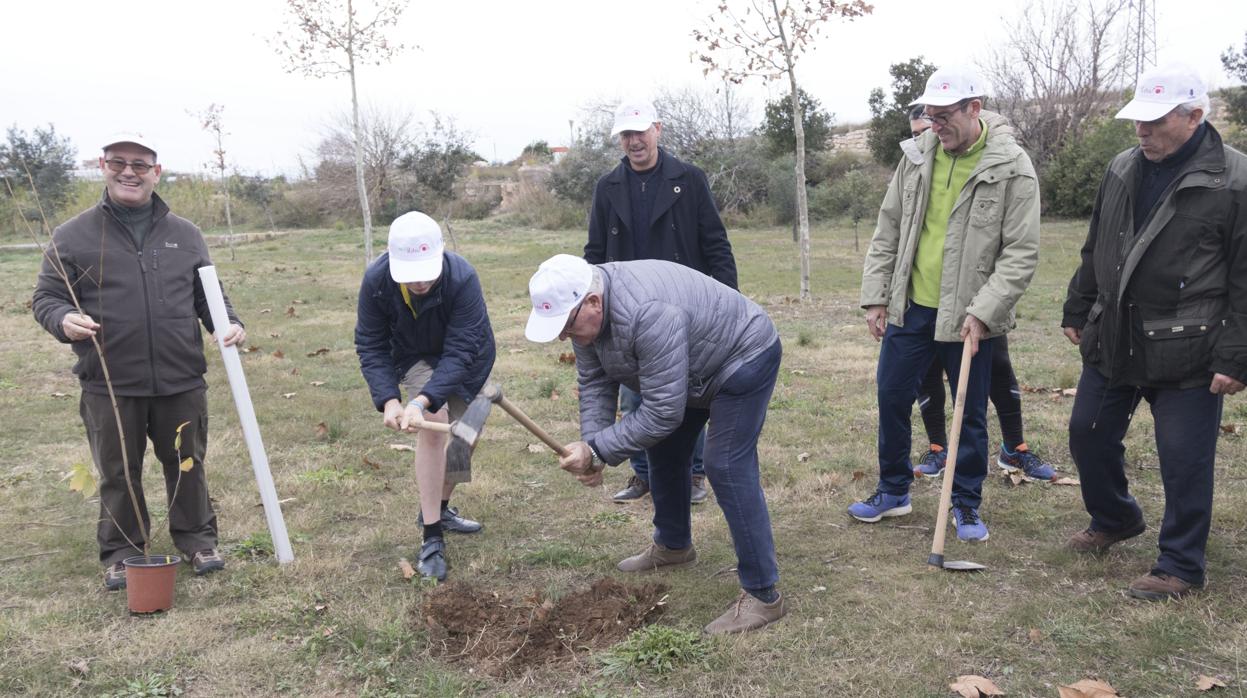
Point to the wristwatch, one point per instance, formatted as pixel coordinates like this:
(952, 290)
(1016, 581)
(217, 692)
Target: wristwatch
(595, 461)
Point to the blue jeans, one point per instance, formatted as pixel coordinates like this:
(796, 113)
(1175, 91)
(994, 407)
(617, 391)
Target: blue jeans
(736, 416)
(630, 400)
(903, 361)
(1186, 423)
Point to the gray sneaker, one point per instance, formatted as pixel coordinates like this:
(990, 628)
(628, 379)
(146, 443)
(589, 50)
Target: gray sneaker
(700, 491)
(636, 489)
(452, 521)
(115, 577)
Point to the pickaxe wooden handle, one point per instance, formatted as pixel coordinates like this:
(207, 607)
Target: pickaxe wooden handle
(494, 393)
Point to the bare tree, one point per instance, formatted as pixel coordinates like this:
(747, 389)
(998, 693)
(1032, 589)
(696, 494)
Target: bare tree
(210, 121)
(771, 35)
(326, 37)
(388, 138)
(693, 120)
(1063, 63)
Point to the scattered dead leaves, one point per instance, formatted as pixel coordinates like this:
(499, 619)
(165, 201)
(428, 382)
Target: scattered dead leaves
(1067, 481)
(857, 475)
(371, 463)
(803, 457)
(289, 396)
(316, 384)
(318, 352)
(279, 354)
(251, 348)
(82, 667)
(405, 567)
(1035, 636)
(1232, 429)
(535, 448)
(322, 430)
(60, 395)
(402, 447)
(974, 686)
(1087, 688)
(554, 395)
(568, 357)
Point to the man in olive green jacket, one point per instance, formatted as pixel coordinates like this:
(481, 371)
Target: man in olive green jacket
(956, 245)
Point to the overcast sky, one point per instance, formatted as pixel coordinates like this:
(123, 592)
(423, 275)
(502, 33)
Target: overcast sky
(508, 72)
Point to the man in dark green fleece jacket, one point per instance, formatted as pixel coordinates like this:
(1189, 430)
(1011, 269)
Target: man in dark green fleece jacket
(133, 266)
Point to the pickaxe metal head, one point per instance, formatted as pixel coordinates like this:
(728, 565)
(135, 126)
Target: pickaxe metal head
(465, 432)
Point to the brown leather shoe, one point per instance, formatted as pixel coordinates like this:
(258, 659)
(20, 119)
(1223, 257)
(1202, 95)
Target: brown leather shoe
(1158, 587)
(656, 556)
(747, 613)
(635, 489)
(1091, 540)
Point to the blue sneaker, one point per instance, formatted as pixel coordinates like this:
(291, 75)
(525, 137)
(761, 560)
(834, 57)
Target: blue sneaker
(1024, 460)
(880, 505)
(969, 526)
(932, 464)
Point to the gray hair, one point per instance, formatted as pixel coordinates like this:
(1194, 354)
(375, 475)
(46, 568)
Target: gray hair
(595, 285)
(1202, 103)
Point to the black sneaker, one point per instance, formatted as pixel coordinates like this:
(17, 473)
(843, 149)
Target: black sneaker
(452, 521)
(432, 560)
(207, 561)
(115, 577)
(700, 491)
(636, 489)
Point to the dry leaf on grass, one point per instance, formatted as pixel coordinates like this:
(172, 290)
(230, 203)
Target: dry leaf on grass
(803, 457)
(371, 463)
(1016, 478)
(974, 686)
(1087, 688)
(1230, 428)
(82, 668)
(797, 371)
(535, 448)
(290, 312)
(279, 354)
(322, 430)
(1034, 636)
(567, 357)
(1068, 481)
(406, 568)
(60, 395)
(318, 352)
(269, 310)
(288, 395)
(275, 335)
(554, 394)
(857, 475)
(1207, 683)
(316, 384)
(521, 351)
(402, 447)
(251, 348)
(1069, 392)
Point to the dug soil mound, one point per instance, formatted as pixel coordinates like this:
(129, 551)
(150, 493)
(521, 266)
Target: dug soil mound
(507, 636)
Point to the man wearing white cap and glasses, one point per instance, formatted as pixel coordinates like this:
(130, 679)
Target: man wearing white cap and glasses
(655, 206)
(133, 267)
(1158, 309)
(955, 247)
(422, 327)
(697, 350)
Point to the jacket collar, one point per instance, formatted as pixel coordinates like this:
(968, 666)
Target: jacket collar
(670, 168)
(159, 208)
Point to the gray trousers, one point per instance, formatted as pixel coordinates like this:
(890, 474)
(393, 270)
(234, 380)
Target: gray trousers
(192, 522)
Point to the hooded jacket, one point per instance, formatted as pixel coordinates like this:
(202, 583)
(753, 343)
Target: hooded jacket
(449, 330)
(1166, 307)
(148, 301)
(991, 247)
(684, 225)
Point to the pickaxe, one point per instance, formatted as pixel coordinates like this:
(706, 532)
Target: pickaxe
(464, 432)
(494, 394)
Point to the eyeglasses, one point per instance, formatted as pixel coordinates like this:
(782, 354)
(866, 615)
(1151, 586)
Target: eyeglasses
(572, 320)
(943, 118)
(139, 167)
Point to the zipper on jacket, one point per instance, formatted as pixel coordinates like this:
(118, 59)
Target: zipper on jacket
(147, 305)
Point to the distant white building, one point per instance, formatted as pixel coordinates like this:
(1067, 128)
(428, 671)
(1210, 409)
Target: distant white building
(88, 170)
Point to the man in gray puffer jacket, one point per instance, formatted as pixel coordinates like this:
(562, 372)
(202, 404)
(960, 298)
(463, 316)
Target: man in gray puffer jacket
(697, 350)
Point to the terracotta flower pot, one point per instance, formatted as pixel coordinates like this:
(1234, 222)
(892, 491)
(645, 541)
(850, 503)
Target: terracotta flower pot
(150, 581)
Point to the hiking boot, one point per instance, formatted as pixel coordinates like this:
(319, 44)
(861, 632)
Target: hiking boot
(700, 491)
(747, 613)
(452, 521)
(431, 564)
(932, 464)
(659, 557)
(207, 561)
(1024, 460)
(1155, 586)
(969, 526)
(1091, 540)
(636, 489)
(880, 505)
(115, 577)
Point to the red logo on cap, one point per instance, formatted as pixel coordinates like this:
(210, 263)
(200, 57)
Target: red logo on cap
(545, 305)
(1158, 90)
(945, 86)
(424, 247)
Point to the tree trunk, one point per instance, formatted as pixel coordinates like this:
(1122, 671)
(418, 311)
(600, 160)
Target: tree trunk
(229, 218)
(803, 208)
(359, 138)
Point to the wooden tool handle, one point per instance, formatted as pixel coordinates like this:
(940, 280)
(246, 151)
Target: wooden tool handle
(531, 426)
(954, 439)
(432, 426)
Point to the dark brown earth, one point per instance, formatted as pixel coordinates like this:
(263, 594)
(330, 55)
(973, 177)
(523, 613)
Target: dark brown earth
(506, 636)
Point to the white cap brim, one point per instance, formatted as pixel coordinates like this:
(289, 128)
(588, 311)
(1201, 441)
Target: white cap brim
(132, 139)
(1139, 110)
(416, 272)
(637, 123)
(937, 99)
(545, 328)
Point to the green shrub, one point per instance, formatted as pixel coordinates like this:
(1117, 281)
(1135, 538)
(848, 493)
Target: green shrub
(1071, 180)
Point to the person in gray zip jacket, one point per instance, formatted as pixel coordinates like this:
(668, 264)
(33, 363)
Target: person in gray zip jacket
(1158, 309)
(698, 350)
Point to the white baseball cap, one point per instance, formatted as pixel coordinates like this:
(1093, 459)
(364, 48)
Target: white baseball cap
(132, 138)
(1160, 90)
(415, 248)
(951, 85)
(559, 285)
(634, 115)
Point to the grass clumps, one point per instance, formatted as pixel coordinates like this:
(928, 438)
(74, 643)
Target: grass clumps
(654, 649)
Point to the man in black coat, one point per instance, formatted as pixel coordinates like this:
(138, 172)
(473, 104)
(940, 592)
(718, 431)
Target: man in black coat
(1158, 310)
(654, 206)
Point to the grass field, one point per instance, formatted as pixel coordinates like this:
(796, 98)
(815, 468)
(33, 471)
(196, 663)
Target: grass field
(867, 617)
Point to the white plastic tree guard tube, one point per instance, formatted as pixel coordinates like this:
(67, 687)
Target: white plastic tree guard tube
(246, 415)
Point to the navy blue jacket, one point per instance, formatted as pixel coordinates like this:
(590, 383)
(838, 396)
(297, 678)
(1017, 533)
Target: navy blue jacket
(684, 226)
(450, 331)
